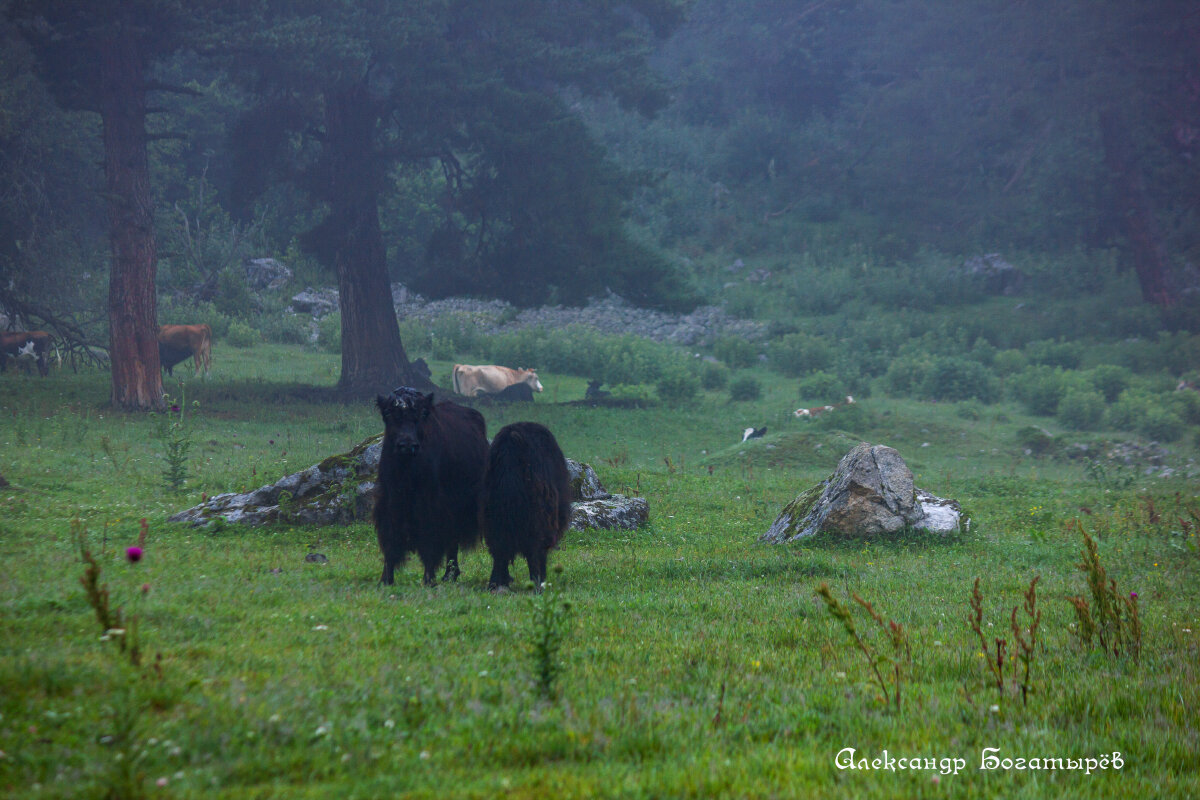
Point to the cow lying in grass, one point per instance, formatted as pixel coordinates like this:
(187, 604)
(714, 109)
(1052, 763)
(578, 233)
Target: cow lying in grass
(471, 380)
(526, 502)
(25, 346)
(816, 411)
(177, 343)
(430, 475)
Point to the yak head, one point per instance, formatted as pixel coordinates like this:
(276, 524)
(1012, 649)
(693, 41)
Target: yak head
(403, 411)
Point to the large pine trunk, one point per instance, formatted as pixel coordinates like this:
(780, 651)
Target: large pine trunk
(1150, 258)
(373, 357)
(132, 304)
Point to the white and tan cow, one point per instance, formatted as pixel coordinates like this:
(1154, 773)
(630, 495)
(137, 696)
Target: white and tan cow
(178, 342)
(472, 380)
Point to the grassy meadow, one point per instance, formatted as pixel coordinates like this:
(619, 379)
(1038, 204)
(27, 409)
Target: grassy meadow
(692, 661)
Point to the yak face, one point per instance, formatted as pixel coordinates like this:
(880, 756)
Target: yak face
(403, 411)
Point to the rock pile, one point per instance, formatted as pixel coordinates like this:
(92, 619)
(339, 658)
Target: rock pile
(341, 490)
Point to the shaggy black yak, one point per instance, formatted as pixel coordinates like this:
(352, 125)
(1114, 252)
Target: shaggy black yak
(526, 500)
(430, 475)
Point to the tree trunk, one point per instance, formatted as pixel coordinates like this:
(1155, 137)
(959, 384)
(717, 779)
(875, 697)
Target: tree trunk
(1137, 218)
(373, 357)
(132, 302)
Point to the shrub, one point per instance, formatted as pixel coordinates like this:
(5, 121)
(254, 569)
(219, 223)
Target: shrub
(1128, 412)
(737, 353)
(953, 378)
(821, 387)
(329, 332)
(1067, 355)
(1009, 362)
(1161, 423)
(677, 385)
(1040, 389)
(285, 328)
(714, 376)
(1110, 380)
(1187, 404)
(1035, 441)
(415, 337)
(798, 353)
(241, 335)
(904, 375)
(1081, 409)
(745, 388)
(457, 333)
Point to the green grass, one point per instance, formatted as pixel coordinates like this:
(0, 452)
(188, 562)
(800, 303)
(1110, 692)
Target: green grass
(697, 662)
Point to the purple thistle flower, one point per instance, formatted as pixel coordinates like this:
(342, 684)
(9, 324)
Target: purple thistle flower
(175, 409)
(1133, 595)
(133, 555)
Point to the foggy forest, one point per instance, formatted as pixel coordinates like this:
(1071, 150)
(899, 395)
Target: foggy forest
(732, 253)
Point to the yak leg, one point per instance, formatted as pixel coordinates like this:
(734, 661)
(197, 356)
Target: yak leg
(500, 577)
(389, 569)
(452, 571)
(537, 568)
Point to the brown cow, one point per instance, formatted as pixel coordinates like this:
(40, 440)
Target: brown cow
(473, 381)
(25, 344)
(177, 342)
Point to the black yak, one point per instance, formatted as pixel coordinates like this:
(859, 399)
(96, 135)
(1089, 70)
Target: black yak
(526, 502)
(430, 476)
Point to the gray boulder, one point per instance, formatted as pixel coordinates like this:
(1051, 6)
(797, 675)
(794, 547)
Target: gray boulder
(266, 273)
(317, 302)
(871, 493)
(341, 490)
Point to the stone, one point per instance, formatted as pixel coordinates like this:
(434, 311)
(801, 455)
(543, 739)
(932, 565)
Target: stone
(266, 273)
(341, 490)
(871, 493)
(995, 274)
(317, 302)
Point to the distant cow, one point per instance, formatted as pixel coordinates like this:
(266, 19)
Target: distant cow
(31, 345)
(430, 475)
(526, 502)
(816, 411)
(594, 392)
(179, 342)
(517, 393)
(472, 381)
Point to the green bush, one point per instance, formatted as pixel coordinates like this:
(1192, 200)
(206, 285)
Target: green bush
(1081, 409)
(1035, 440)
(1128, 412)
(904, 376)
(1110, 380)
(745, 388)
(954, 378)
(285, 328)
(241, 335)
(1161, 423)
(329, 332)
(798, 353)
(1009, 362)
(1067, 355)
(1039, 388)
(415, 338)
(737, 353)
(1187, 404)
(821, 387)
(456, 333)
(714, 376)
(677, 385)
